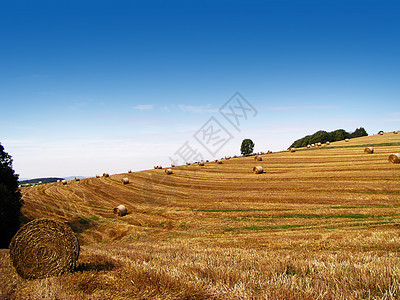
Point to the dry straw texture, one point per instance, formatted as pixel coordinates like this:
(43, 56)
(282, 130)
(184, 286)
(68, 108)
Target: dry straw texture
(168, 171)
(369, 150)
(258, 158)
(44, 247)
(258, 170)
(120, 210)
(125, 180)
(394, 158)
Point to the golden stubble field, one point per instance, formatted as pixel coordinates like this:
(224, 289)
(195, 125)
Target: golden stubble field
(320, 223)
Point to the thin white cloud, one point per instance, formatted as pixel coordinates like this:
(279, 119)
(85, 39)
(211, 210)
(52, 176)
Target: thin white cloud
(143, 107)
(197, 109)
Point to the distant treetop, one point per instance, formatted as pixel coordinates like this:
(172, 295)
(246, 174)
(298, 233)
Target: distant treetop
(323, 137)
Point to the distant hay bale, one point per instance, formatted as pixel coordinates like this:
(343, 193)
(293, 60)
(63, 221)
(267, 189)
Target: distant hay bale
(328, 143)
(380, 132)
(313, 145)
(395, 132)
(172, 165)
(218, 161)
(369, 150)
(258, 158)
(64, 182)
(106, 175)
(97, 176)
(346, 140)
(262, 153)
(129, 171)
(258, 170)
(159, 167)
(227, 157)
(201, 163)
(394, 158)
(188, 163)
(269, 152)
(125, 180)
(308, 146)
(155, 167)
(43, 248)
(168, 171)
(120, 210)
(77, 179)
(292, 150)
(319, 144)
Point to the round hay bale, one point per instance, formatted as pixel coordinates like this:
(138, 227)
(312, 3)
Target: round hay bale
(395, 132)
(201, 163)
(44, 247)
(292, 150)
(120, 210)
(394, 158)
(64, 182)
(328, 143)
(346, 140)
(188, 163)
(155, 167)
(313, 145)
(258, 158)
(168, 171)
(227, 157)
(380, 132)
(97, 176)
(106, 175)
(129, 171)
(308, 146)
(258, 170)
(269, 152)
(172, 165)
(77, 179)
(125, 180)
(319, 144)
(369, 150)
(58, 180)
(218, 161)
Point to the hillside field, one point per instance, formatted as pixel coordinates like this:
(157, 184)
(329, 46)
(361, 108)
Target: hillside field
(319, 223)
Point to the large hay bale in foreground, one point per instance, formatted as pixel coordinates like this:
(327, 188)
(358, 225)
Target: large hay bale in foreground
(258, 170)
(125, 180)
(369, 150)
(44, 247)
(394, 158)
(120, 210)
(258, 158)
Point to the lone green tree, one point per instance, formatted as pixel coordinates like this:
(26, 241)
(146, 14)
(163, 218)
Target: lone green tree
(10, 200)
(247, 147)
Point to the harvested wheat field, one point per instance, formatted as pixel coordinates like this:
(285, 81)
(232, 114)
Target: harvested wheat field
(319, 223)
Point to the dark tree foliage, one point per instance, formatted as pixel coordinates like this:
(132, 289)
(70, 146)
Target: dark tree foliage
(247, 147)
(323, 137)
(10, 200)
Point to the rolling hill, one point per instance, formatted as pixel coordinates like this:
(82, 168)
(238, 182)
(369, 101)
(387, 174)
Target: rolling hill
(320, 222)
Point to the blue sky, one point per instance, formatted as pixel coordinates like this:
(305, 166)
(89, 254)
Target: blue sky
(105, 86)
